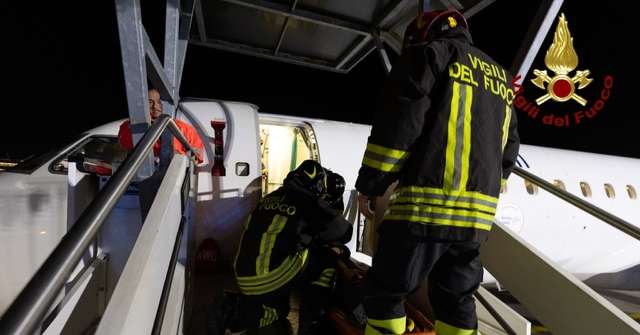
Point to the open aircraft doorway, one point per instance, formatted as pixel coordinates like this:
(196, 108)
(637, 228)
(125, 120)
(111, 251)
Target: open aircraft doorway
(282, 148)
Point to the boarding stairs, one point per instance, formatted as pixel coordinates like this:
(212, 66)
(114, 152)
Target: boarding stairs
(153, 293)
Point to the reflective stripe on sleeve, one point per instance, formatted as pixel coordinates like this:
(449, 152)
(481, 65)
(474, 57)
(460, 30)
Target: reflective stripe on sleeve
(383, 158)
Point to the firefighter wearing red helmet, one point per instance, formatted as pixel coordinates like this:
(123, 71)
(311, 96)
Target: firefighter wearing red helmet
(446, 131)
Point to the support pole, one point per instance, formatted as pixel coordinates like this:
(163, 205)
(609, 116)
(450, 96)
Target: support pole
(382, 53)
(538, 31)
(131, 35)
(172, 24)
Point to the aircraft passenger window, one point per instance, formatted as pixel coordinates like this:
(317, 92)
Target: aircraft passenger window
(531, 188)
(283, 147)
(611, 193)
(559, 184)
(586, 189)
(632, 192)
(97, 153)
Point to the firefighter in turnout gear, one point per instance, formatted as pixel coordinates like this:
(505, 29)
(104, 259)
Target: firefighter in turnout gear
(283, 247)
(446, 130)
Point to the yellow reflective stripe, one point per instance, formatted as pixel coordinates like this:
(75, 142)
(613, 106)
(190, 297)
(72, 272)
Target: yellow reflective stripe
(322, 283)
(448, 193)
(235, 259)
(256, 285)
(325, 278)
(455, 218)
(447, 203)
(466, 146)
(270, 315)
(443, 328)
(439, 222)
(267, 243)
(388, 152)
(441, 216)
(290, 263)
(369, 330)
(539, 329)
(382, 166)
(451, 138)
(443, 210)
(274, 315)
(505, 126)
(503, 182)
(395, 326)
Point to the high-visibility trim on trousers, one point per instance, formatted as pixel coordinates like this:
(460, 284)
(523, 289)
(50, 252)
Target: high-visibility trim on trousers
(440, 197)
(386, 326)
(325, 278)
(269, 317)
(443, 328)
(383, 158)
(440, 216)
(273, 280)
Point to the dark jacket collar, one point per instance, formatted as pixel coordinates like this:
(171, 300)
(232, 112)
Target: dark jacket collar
(455, 33)
(459, 33)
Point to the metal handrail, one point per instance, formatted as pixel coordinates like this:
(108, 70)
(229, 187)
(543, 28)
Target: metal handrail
(596, 211)
(29, 308)
(168, 281)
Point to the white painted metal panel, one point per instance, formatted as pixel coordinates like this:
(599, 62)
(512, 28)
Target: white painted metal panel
(223, 203)
(133, 305)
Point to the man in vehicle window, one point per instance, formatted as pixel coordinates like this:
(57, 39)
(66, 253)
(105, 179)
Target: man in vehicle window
(155, 110)
(447, 131)
(284, 245)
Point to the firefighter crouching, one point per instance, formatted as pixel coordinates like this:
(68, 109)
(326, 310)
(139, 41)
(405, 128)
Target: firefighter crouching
(447, 131)
(284, 247)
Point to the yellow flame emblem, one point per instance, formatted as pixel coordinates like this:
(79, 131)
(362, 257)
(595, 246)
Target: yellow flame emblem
(561, 58)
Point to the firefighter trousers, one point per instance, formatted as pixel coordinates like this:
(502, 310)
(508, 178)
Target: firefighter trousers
(267, 314)
(401, 263)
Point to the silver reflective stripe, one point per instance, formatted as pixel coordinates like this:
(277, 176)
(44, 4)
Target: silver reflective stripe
(415, 195)
(428, 215)
(382, 158)
(457, 170)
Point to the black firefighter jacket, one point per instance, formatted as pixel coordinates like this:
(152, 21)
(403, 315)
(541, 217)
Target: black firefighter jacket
(446, 129)
(275, 243)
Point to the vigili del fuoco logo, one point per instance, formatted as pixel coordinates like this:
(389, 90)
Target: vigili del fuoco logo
(560, 84)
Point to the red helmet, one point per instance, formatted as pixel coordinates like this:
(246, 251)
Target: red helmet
(432, 22)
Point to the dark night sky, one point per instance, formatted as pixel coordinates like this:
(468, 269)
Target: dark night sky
(62, 72)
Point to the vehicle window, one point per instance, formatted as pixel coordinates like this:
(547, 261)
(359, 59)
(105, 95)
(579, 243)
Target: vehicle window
(559, 184)
(34, 162)
(97, 153)
(632, 192)
(531, 188)
(611, 193)
(586, 189)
